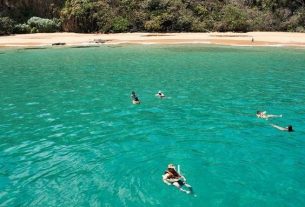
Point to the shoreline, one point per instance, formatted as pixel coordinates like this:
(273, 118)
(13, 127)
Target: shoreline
(275, 39)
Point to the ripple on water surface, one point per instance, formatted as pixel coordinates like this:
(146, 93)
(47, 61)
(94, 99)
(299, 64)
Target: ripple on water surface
(71, 137)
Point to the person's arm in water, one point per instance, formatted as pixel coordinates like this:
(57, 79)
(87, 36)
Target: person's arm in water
(182, 177)
(165, 180)
(168, 179)
(280, 128)
(273, 116)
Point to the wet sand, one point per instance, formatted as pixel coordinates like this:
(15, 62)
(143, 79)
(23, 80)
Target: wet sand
(76, 39)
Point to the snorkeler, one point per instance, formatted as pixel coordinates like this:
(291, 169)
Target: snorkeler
(160, 94)
(264, 115)
(172, 177)
(134, 97)
(288, 128)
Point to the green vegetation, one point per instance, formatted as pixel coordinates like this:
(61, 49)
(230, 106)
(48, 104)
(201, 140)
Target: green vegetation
(22, 29)
(38, 24)
(6, 25)
(25, 16)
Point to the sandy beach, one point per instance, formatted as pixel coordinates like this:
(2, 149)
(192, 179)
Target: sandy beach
(76, 39)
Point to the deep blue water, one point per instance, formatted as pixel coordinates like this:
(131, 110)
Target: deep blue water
(69, 135)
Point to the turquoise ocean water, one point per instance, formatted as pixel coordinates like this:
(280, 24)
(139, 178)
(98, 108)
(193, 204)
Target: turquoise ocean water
(69, 135)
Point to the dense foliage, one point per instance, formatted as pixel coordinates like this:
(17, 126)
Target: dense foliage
(6, 25)
(151, 15)
(38, 24)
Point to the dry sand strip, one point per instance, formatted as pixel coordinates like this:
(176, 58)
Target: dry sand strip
(76, 39)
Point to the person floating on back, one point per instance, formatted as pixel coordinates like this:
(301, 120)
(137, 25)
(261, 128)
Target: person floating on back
(134, 98)
(172, 177)
(288, 128)
(160, 94)
(264, 115)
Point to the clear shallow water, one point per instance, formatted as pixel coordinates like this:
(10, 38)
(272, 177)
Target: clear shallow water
(69, 135)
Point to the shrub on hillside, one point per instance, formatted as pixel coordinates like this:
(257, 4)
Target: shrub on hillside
(296, 22)
(199, 26)
(22, 29)
(153, 25)
(300, 29)
(6, 25)
(44, 25)
(184, 23)
(233, 19)
(120, 24)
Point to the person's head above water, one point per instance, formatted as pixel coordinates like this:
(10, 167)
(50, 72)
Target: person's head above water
(289, 128)
(133, 93)
(171, 166)
(160, 94)
(172, 169)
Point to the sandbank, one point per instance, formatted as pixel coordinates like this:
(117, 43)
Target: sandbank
(235, 39)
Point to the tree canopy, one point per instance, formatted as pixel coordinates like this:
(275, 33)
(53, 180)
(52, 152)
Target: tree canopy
(151, 15)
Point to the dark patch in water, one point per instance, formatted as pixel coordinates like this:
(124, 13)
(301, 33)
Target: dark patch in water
(115, 46)
(34, 48)
(87, 46)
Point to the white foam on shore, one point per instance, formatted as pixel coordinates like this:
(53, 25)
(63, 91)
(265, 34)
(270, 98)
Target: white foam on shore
(148, 43)
(139, 42)
(278, 45)
(251, 45)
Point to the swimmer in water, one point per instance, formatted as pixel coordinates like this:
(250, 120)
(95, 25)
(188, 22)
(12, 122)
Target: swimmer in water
(264, 115)
(134, 98)
(172, 177)
(160, 94)
(288, 128)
